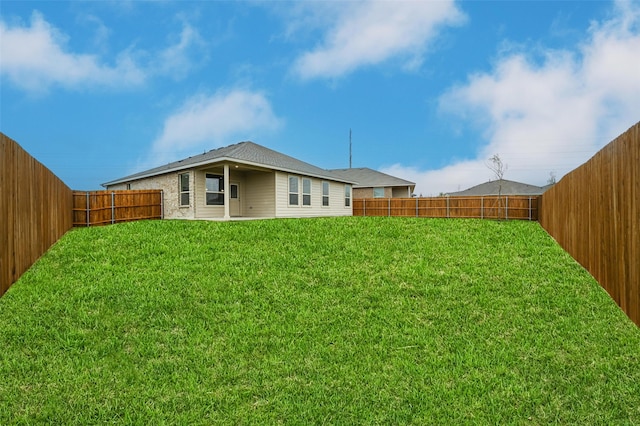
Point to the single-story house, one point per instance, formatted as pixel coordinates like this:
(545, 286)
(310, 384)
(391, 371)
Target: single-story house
(373, 184)
(244, 180)
(502, 186)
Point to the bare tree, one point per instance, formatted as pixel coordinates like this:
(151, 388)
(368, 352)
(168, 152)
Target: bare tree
(552, 178)
(496, 165)
(499, 168)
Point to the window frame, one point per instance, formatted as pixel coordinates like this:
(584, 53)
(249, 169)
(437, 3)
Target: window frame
(325, 194)
(378, 188)
(219, 192)
(293, 193)
(233, 196)
(306, 196)
(347, 195)
(182, 192)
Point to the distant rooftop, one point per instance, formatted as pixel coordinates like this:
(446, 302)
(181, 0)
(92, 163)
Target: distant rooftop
(366, 178)
(505, 187)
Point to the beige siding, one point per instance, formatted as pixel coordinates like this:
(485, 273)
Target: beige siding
(336, 199)
(171, 187)
(259, 194)
(401, 192)
(202, 210)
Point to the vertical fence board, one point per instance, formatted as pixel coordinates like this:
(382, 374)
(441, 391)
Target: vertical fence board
(35, 210)
(487, 207)
(593, 213)
(105, 207)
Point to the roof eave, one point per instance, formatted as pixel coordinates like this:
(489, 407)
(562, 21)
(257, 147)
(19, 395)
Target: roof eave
(385, 185)
(132, 178)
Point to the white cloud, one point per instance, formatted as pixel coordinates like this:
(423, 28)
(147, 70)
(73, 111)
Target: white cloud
(208, 121)
(101, 32)
(176, 60)
(370, 32)
(34, 58)
(546, 115)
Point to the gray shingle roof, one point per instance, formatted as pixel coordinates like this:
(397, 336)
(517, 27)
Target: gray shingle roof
(509, 187)
(248, 153)
(366, 178)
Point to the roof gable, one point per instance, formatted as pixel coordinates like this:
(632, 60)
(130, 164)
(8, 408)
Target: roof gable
(366, 177)
(248, 153)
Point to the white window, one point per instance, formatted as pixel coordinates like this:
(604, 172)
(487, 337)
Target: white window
(347, 195)
(293, 190)
(214, 187)
(184, 189)
(306, 192)
(378, 192)
(325, 194)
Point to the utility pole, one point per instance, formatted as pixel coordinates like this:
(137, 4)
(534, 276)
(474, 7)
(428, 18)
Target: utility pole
(350, 148)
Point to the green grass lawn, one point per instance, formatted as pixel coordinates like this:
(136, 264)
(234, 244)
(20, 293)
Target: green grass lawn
(314, 321)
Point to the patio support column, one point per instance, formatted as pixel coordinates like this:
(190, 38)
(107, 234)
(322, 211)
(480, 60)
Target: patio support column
(227, 191)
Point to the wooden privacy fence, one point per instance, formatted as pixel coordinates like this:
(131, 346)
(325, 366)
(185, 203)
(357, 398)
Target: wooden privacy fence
(35, 211)
(106, 207)
(594, 214)
(480, 207)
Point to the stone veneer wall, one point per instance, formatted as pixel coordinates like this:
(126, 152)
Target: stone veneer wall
(170, 185)
(362, 192)
(368, 192)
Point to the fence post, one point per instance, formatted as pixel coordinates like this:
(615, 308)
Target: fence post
(162, 204)
(88, 210)
(113, 208)
(529, 208)
(389, 207)
(447, 207)
(481, 207)
(417, 207)
(506, 207)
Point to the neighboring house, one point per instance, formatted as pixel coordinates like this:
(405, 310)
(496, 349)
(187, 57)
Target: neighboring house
(244, 180)
(374, 184)
(502, 186)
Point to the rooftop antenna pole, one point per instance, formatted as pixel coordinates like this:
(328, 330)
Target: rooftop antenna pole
(349, 148)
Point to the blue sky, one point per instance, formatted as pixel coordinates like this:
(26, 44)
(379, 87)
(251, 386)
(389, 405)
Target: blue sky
(431, 90)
